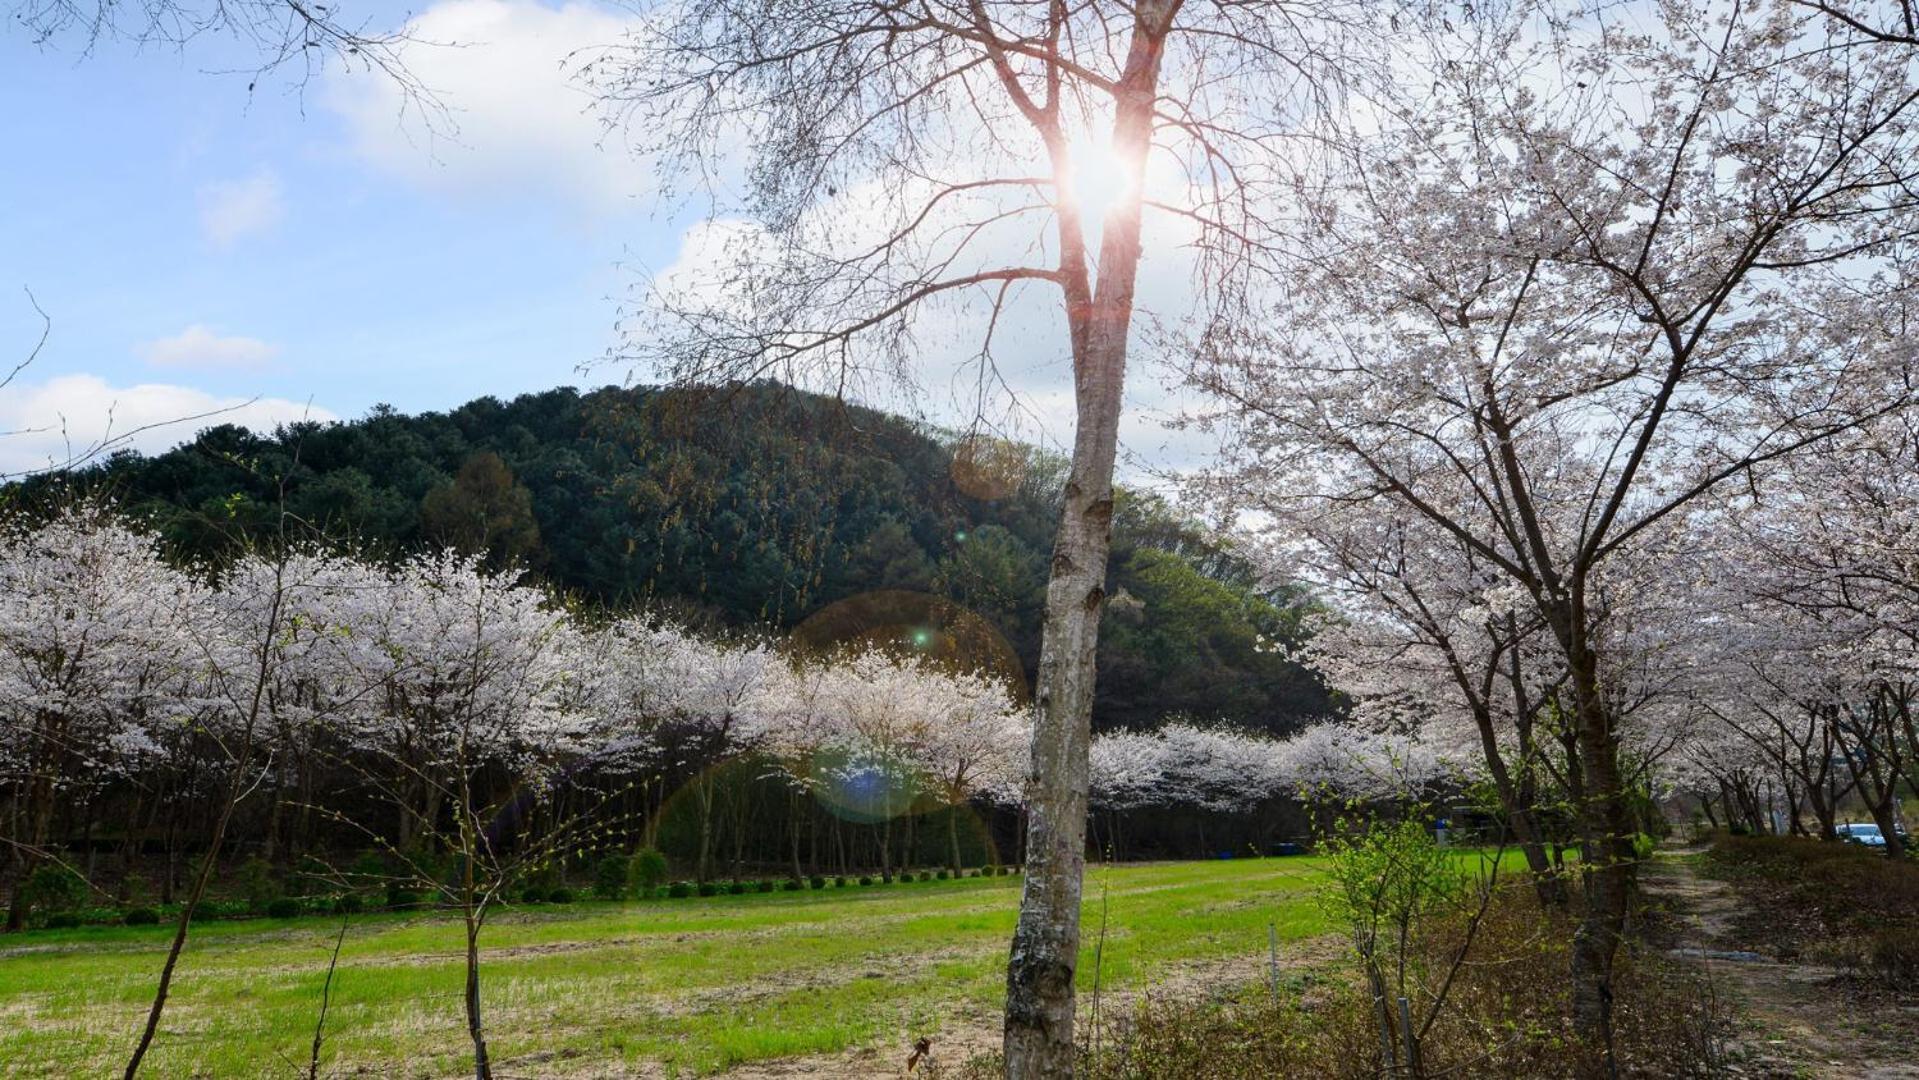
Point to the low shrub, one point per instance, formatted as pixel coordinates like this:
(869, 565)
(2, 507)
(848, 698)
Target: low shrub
(401, 896)
(647, 869)
(533, 894)
(367, 873)
(793, 885)
(680, 890)
(611, 875)
(136, 891)
(709, 888)
(817, 881)
(943, 875)
(560, 895)
(205, 912)
(348, 904)
(313, 877)
(737, 888)
(256, 882)
(839, 882)
(141, 916)
(54, 888)
(906, 878)
(285, 907)
(63, 920)
(1892, 958)
(865, 880)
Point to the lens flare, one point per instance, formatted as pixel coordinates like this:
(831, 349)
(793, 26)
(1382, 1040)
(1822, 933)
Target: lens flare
(921, 624)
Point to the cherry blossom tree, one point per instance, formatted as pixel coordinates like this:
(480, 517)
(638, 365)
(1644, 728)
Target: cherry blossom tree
(1547, 319)
(473, 676)
(974, 743)
(250, 665)
(709, 690)
(93, 653)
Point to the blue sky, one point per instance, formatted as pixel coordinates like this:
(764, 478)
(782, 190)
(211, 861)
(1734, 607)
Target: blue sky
(194, 244)
(316, 250)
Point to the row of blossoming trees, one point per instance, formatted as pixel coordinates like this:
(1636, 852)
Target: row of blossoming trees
(300, 703)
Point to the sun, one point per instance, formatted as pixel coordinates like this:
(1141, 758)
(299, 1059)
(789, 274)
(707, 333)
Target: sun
(1098, 180)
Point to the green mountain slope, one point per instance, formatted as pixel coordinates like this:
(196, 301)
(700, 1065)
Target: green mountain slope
(757, 505)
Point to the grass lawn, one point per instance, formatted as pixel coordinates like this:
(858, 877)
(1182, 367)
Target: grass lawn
(682, 986)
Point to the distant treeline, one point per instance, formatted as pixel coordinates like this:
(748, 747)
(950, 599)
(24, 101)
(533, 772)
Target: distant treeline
(756, 505)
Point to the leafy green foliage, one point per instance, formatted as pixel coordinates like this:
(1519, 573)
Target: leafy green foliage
(647, 870)
(484, 509)
(135, 890)
(610, 876)
(141, 916)
(256, 882)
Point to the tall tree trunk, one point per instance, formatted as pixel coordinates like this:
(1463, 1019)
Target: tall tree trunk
(1045, 950)
(39, 818)
(475, 1029)
(703, 795)
(1518, 805)
(794, 805)
(952, 837)
(1607, 867)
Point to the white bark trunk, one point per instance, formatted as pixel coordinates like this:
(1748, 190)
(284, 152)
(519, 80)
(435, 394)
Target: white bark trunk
(1045, 953)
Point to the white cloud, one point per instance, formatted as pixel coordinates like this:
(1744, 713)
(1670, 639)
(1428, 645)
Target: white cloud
(50, 423)
(199, 347)
(233, 209)
(521, 123)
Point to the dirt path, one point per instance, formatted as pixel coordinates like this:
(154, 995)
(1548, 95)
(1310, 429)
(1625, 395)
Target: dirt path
(1795, 1022)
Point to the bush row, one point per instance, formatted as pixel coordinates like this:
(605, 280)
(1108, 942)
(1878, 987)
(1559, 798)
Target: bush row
(616, 877)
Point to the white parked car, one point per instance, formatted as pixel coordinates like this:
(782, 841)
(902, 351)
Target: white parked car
(1867, 834)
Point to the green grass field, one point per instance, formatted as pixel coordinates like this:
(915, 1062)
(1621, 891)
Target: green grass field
(683, 987)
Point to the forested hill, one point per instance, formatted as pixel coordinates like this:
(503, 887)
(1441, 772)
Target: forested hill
(762, 505)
